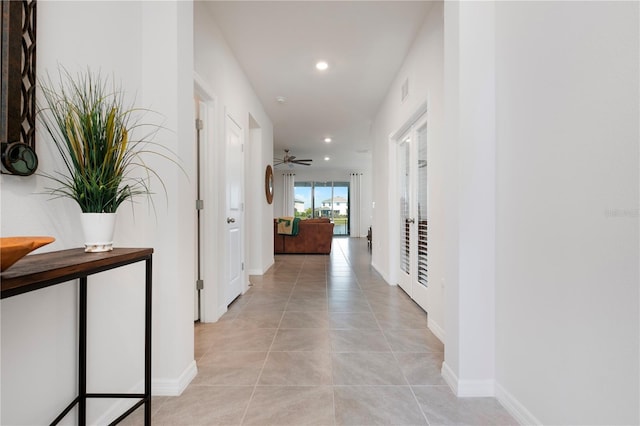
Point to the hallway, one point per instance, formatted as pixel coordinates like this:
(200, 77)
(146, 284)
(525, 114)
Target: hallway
(322, 340)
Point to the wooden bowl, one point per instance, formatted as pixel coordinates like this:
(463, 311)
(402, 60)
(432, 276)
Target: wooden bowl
(13, 249)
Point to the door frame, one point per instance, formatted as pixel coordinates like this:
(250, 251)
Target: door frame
(210, 310)
(201, 111)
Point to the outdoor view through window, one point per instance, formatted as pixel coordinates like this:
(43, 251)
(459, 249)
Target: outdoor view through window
(324, 199)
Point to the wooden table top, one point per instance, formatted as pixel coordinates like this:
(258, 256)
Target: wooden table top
(37, 271)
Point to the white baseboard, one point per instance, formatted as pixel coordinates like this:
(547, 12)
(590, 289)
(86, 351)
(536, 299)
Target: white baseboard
(220, 311)
(467, 388)
(384, 276)
(174, 387)
(261, 271)
(476, 388)
(158, 388)
(435, 329)
(449, 377)
(119, 407)
(515, 408)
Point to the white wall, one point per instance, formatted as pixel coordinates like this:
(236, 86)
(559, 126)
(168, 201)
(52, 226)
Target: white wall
(469, 366)
(167, 45)
(567, 212)
(38, 329)
(540, 189)
(223, 77)
(423, 67)
(259, 256)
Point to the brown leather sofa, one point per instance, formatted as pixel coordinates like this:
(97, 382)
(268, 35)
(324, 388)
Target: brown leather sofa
(314, 237)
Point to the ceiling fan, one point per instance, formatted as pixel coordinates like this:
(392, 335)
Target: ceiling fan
(291, 160)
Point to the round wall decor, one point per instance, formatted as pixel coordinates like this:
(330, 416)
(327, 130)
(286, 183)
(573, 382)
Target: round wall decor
(268, 184)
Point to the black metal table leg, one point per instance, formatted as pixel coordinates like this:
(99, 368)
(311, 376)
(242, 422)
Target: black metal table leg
(82, 353)
(38, 271)
(147, 342)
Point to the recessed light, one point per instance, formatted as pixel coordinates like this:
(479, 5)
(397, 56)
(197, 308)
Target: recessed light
(322, 65)
(281, 99)
(327, 140)
(327, 158)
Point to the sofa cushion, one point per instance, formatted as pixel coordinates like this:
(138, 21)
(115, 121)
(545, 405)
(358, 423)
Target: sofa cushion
(288, 225)
(317, 220)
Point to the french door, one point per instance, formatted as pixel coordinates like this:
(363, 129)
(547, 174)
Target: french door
(413, 205)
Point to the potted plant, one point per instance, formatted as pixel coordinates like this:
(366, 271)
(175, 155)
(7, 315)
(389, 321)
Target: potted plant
(104, 165)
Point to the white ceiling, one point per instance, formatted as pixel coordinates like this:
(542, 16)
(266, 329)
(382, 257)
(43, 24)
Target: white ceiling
(278, 44)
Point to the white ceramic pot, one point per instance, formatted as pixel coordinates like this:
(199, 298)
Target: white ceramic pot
(98, 231)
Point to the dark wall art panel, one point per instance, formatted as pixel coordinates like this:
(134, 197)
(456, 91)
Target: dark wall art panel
(17, 95)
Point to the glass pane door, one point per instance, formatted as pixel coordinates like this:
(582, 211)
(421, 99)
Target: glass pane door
(322, 193)
(303, 203)
(324, 199)
(423, 198)
(340, 208)
(404, 191)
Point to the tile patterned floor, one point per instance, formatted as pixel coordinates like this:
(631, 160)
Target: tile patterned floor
(321, 340)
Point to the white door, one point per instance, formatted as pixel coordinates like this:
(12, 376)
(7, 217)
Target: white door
(413, 202)
(234, 210)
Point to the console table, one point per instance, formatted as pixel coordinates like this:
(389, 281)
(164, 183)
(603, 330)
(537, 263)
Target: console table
(38, 271)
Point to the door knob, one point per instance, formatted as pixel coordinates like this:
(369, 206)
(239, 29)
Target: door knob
(231, 220)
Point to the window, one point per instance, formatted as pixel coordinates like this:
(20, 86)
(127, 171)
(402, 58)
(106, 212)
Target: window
(324, 199)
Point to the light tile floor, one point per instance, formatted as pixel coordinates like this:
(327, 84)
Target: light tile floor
(321, 340)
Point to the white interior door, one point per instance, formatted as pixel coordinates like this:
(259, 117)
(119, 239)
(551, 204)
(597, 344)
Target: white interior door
(413, 198)
(234, 210)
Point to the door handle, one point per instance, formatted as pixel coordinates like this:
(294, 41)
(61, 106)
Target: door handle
(410, 220)
(231, 220)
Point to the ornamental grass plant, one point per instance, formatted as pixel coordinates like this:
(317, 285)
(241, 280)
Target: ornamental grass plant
(92, 128)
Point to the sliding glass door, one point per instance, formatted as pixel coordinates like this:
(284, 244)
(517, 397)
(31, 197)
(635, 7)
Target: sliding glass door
(303, 203)
(340, 208)
(324, 199)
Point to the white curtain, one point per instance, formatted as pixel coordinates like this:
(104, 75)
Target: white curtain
(288, 196)
(355, 204)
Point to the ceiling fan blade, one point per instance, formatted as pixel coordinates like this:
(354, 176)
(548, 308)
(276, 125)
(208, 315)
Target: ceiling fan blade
(291, 160)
